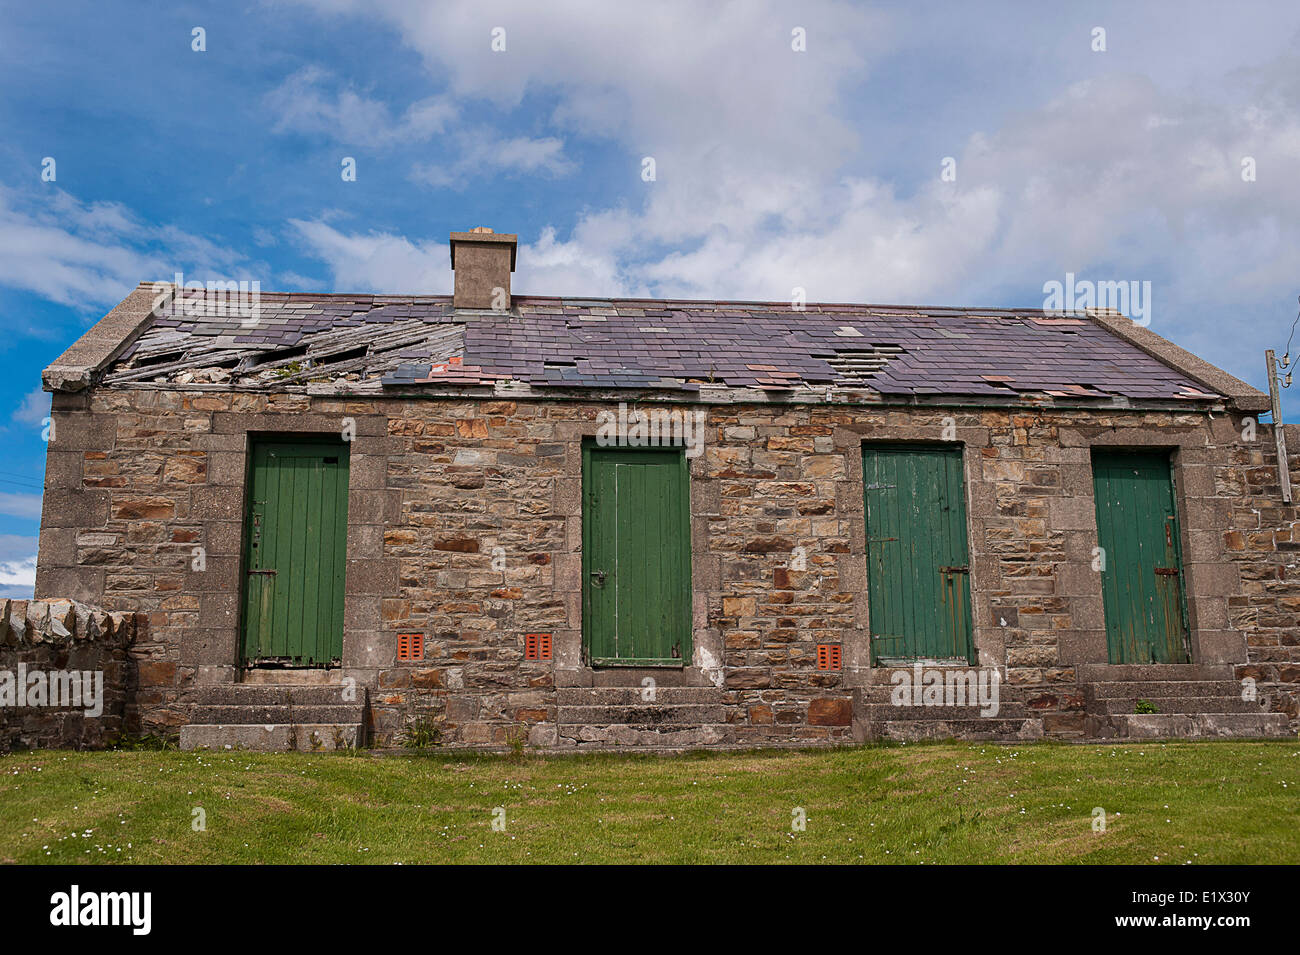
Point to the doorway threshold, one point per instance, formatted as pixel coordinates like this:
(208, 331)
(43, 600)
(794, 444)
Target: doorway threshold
(292, 676)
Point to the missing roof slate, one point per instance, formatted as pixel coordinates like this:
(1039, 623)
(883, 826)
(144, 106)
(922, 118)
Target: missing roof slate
(159, 358)
(860, 365)
(281, 354)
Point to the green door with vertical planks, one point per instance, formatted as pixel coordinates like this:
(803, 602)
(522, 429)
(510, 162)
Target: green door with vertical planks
(1141, 568)
(295, 546)
(636, 557)
(918, 580)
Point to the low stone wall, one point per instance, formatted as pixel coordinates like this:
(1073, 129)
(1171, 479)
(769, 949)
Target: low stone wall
(65, 674)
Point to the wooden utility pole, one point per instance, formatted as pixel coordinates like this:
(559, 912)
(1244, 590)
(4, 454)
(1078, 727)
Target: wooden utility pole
(1283, 465)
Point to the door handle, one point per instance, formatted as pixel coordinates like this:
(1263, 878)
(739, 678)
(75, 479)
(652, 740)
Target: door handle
(600, 576)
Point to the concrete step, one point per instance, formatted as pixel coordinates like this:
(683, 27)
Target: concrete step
(1149, 689)
(1150, 672)
(643, 714)
(267, 694)
(250, 714)
(279, 737)
(885, 695)
(667, 737)
(275, 717)
(1177, 704)
(887, 711)
(293, 676)
(633, 696)
(992, 728)
(1192, 726)
(885, 676)
(662, 676)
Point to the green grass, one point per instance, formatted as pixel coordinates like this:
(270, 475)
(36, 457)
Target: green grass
(942, 803)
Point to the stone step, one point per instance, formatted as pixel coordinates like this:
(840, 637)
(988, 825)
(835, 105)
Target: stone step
(885, 694)
(274, 738)
(1177, 704)
(267, 694)
(993, 728)
(643, 714)
(632, 696)
(1192, 726)
(662, 676)
(1150, 672)
(1149, 689)
(887, 712)
(885, 676)
(639, 736)
(250, 714)
(293, 676)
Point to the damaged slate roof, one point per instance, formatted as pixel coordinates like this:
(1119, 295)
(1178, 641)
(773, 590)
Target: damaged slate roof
(385, 343)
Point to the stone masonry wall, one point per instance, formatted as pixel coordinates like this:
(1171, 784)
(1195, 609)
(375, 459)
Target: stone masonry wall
(138, 479)
(1262, 541)
(42, 643)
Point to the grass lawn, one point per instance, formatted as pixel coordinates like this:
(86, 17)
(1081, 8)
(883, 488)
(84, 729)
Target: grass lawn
(1225, 802)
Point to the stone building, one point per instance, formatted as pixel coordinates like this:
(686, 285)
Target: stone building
(593, 523)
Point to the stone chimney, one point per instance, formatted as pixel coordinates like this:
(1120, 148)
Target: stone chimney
(482, 261)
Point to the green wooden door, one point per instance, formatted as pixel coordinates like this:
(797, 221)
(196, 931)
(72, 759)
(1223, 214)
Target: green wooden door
(636, 557)
(918, 580)
(295, 543)
(1141, 575)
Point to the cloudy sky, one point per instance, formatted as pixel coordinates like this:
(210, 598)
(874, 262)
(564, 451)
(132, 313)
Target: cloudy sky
(793, 145)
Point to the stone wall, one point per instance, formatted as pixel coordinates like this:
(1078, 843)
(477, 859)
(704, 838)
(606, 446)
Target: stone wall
(1262, 541)
(138, 479)
(42, 645)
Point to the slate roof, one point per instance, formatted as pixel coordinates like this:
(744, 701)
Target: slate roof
(404, 343)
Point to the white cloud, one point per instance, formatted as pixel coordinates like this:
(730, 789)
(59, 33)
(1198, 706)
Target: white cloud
(480, 154)
(18, 573)
(303, 104)
(1123, 168)
(383, 262)
(378, 261)
(17, 566)
(90, 254)
(21, 505)
(69, 252)
(34, 409)
(16, 546)
(311, 101)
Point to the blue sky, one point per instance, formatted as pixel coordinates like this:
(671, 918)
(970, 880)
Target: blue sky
(775, 168)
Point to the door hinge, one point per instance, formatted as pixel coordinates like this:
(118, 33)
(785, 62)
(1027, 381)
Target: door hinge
(1167, 571)
(266, 573)
(954, 570)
